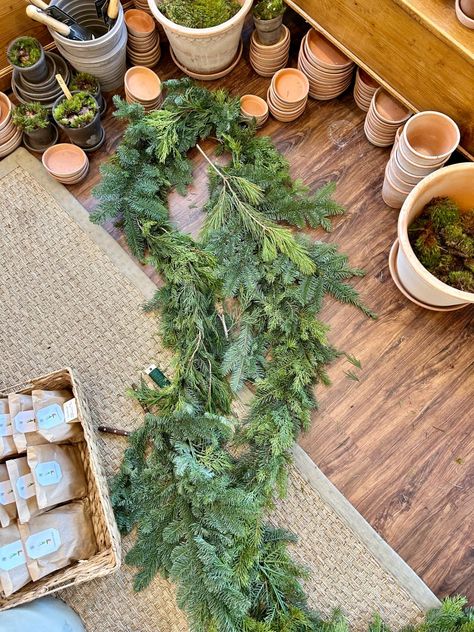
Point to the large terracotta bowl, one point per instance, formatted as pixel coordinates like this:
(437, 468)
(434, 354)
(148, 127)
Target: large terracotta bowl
(456, 182)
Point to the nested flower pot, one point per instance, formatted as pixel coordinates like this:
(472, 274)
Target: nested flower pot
(79, 82)
(37, 72)
(269, 31)
(89, 136)
(40, 139)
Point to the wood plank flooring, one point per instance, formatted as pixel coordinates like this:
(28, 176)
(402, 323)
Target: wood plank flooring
(398, 443)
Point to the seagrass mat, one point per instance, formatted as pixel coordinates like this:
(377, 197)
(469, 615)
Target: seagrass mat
(70, 296)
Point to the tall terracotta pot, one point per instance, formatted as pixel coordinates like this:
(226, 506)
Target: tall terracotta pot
(456, 182)
(204, 51)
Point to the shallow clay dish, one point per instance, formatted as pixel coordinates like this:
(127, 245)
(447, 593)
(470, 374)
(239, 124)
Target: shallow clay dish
(5, 110)
(64, 160)
(290, 85)
(12, 144)
(143, 84)
(138, 22)
(253, 106)
(388, 109)
(213, 76)
(322, 51)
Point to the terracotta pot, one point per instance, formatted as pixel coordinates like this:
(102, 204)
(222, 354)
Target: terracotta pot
(429, 137)
(254, 107)
(290, 85)
(269, 31)
(389, 110)
(5, 110)
(41, 139)
(204, 51)
(455, 181)
(10, 145)
(392, 195)
(271, 49)
(87, 137)
(64, 160)
(465, 12)
(324, 53)
(143, 84)
(402, 173)
(139, 23)
(35, 73)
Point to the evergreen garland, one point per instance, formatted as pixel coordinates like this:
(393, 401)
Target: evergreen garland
(239, 305)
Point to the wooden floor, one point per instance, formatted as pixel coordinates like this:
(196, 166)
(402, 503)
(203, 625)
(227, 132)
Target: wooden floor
(397, 443)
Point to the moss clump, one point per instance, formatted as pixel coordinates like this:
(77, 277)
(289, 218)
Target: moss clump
(76, 112)
(442, 238)
(199, 14)
(84, 82)
(269, 9)
(25, 52)
(31, 116)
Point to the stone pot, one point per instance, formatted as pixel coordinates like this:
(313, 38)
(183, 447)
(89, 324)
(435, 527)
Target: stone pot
(87, 137)
(36, 73)
(269, 31)
(204, 51)
(40, 139)
(455, 182)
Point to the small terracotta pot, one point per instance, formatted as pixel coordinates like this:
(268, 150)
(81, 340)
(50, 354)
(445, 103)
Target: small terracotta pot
(465, 13)
(324, 53)
(35, 73)
(412, 167)
(252, 106)
(389, 110)
(269, 31)
(8, 146)
(139, 23)
(430, 137)
(290, 85)
(455, 182)
(270, 49)
(143, 84)
(402, 173)
(392, 195)
(64, 160)
(5, 110)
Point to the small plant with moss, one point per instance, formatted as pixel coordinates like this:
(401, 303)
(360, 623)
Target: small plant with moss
(269, 9)
(76, 112)
(199, 14)
(84, 82)
(442, 237)
(30, 117)
(25, 52)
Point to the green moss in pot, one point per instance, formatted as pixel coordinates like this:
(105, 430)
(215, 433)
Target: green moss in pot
(79, 117)
(26, 55)
(85, 82)
(268, 18)
(33, 119)
(199, 14)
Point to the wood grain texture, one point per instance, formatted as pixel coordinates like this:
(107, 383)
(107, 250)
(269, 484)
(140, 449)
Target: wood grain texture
(416, 48)
(398, 443)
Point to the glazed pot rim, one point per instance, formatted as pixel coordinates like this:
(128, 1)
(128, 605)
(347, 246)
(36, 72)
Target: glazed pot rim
(403, 231)
(447, 118)
(213, 30)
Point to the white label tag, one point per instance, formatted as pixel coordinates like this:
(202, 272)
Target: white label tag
(50, 416)
(25, 421)
(6, 493)
(43, 543)
(48, 473)
(25, 486)
(6, 428)
(70, 411)
(12, 555)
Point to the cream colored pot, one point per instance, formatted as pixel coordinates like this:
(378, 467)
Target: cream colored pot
(204, 51)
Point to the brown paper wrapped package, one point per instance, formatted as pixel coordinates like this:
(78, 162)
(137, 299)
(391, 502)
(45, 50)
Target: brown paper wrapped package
(52, 427)
(57, 538)
(8, 511)
(26, 507)
(19, 404)
(14, 572)
(7, 445)
(58, 474)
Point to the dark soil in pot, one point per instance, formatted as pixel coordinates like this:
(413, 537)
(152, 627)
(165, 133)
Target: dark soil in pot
(87, 136)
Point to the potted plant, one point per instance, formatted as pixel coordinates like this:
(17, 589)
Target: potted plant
(268, 18)
(26, 55)
(79, 117)
(435, 257)
(85, 82)
(204, 34)
(33, 119)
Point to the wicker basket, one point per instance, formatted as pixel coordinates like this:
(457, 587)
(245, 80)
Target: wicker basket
(107, 558)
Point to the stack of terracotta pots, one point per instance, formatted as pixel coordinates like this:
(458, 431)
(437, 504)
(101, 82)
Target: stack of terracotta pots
(66, 163)
(384, 117)
(422, 146)
(254, 108)
(143, 86)
(288, 94)
(103, 57)
(267, 59)
(328, 70)
(364, 89)
(10, 135)
(143, 46)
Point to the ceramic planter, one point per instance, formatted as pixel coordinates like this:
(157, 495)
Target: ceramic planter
(269, 31)
(465, 12)
(204, 51)
(40, 139)
(455, 181)
(429, 138)
(35, 73)
(88, 138)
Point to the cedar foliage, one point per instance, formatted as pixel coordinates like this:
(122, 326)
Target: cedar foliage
(239, 304)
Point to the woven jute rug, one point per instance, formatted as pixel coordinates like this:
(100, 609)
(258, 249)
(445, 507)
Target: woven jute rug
(70, 296)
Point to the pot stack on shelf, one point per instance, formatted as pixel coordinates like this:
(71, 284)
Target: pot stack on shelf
(143, 86)
(422, 146)
(10, 135)
(329, 71)
(364, 89)
(268, 59)
(143, 47)
(288, 94)
(66, 163)
(384, 117)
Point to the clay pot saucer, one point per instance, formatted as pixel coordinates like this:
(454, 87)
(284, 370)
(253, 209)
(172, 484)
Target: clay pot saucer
(268, 60)
(366, 80)
(253, 106)
(412, 167)
(328, 71)
(11, 145)
(5, 110)
(290, 85)
(138, 22)
(430, 137)
(271, 48)
(392, 265)
(323, 52)
(143, 84)
(73, 179)
(64, 160)
(284, 114)
(388, 109)
(213, 76)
